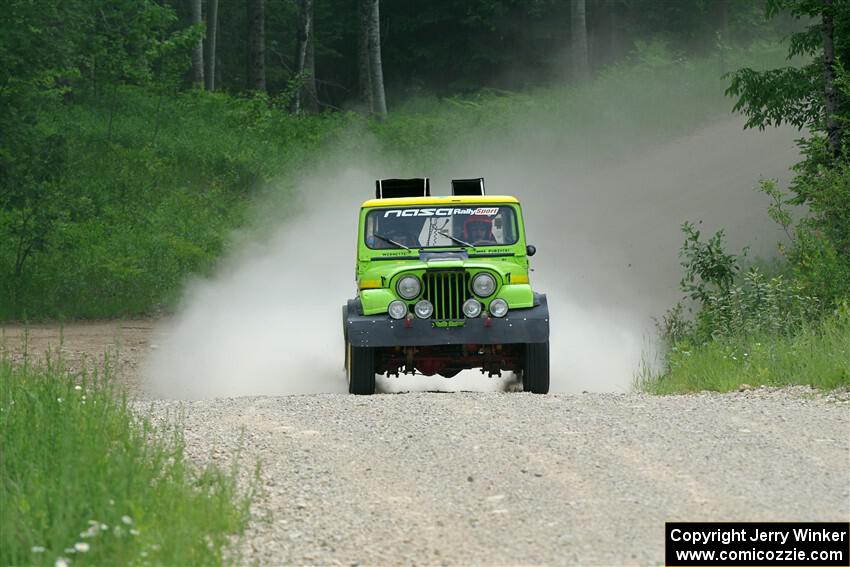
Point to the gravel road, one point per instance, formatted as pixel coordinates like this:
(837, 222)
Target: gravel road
(499, 478)
(516, 478)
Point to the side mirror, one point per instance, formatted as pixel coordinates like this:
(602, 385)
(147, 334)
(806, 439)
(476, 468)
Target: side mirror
(531, 250)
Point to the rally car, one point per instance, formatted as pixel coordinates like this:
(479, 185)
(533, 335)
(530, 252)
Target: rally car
(443, 286)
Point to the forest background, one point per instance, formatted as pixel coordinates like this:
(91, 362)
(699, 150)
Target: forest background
(138, 135)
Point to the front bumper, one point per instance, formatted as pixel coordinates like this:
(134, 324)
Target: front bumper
(529, 325)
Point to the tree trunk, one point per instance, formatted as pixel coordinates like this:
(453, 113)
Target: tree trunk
(829, 95)
(613, 31)
(724, 20)
(311, 95)
(578, 38)
(198, 50)
(376, 73)
(256, 45)
(364, 82)
(306, 98)
(212, 31)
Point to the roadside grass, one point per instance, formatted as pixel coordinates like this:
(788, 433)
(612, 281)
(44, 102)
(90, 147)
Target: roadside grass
(817, 355)
(85, 479)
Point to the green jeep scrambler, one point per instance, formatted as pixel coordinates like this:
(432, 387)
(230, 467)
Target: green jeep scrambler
(442, 286)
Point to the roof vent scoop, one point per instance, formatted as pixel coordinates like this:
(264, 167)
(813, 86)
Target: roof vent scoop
(393, 188)
(471, 187)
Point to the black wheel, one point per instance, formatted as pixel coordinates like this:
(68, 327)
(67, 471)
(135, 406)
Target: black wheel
(535, 374)
(361, 370)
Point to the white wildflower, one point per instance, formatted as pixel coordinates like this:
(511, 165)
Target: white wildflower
(103, 527)
(81, 547)
(37, 549)
(134, 532)
(127, 520)
(78, 387)
(62, 562)
(59, 400)
(111, 502)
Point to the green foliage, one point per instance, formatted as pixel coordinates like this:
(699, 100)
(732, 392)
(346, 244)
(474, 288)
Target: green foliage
(755, 329)
(762, 330)
(53, 52)
(820, 242)
(79, 468)
(817, 354)
(794, 95)
(728, 306)
(157, 184)
(709, 269)
(777, 96)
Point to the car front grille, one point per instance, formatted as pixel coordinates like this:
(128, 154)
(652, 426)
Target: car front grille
(447, 290)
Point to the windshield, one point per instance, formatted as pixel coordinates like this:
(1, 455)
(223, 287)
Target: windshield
(440, 227)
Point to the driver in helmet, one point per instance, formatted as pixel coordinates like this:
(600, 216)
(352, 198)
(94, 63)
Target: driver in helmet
(478, 231)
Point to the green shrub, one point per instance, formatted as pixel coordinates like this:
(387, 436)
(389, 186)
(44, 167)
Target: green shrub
(820, 252)
(79, 469)
(729, 304)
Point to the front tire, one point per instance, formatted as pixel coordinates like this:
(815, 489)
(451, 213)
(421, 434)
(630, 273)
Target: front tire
(361, 370)
(535, 373)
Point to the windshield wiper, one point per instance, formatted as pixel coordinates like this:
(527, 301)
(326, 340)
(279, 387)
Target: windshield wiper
(458, 240)
(391, 241)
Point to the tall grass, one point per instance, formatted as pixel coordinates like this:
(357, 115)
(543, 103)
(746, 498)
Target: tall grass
(82, 478)
(818, 354)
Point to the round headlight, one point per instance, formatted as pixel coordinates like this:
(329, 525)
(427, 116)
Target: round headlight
(483, 285)
(408, 287)
(398, 309)
(498, 308)
(471, 308)
(423, 309)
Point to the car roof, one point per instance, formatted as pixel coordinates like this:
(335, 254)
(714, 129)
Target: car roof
(441, 200)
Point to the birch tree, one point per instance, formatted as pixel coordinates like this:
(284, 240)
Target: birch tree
(364, 82)
(306, 98)
(198, 50)
(212, 31)
(376, 73)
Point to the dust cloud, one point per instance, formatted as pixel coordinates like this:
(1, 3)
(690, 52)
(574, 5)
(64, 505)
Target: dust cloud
(269, 322)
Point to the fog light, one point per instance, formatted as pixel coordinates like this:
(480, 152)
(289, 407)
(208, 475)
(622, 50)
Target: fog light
(398, 309)
(423, 309)
(498, 308)
(471, 308)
